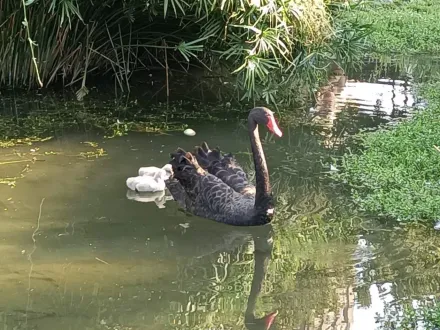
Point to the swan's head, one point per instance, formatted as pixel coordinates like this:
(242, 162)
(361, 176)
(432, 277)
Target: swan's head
(264, 116)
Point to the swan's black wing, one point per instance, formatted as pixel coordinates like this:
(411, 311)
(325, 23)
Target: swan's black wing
(208, 196)
(225, 167)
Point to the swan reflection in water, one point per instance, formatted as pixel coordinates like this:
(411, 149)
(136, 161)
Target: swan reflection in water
(231, 240)
(263, 243)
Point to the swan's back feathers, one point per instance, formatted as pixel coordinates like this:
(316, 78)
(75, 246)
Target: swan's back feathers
(206, 195)
(225, 167)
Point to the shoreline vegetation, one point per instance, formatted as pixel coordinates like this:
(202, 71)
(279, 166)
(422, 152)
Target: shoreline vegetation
(395, 171)
(264, 49)
(242, 52)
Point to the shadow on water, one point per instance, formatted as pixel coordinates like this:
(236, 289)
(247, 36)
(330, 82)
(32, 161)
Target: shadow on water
(103, 261)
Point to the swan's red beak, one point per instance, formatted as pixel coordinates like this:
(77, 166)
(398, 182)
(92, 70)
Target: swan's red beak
(268, 319)
(273, 126)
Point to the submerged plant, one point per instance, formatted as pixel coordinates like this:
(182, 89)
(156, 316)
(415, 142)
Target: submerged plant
(42, 124)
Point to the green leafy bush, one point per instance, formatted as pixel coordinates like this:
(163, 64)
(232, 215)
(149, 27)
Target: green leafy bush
(265, 44)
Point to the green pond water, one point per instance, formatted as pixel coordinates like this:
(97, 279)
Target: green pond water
(77, 252)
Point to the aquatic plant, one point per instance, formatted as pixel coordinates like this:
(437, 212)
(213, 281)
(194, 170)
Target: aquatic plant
(395, 172)
(264, 44)
(51, 118)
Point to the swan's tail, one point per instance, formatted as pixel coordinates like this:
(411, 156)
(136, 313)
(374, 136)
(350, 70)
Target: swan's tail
(207, 157)
(213, 160)
(201, 154)
(225, 167)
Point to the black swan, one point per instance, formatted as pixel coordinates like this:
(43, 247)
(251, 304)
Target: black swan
(214, 186)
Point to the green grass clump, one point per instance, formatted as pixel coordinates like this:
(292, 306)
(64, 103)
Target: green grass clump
(404, 27)
(397, 173)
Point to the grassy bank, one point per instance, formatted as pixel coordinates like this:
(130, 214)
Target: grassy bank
(401, 26)
(396, 172)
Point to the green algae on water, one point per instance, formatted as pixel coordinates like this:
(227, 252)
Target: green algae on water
(53, 117)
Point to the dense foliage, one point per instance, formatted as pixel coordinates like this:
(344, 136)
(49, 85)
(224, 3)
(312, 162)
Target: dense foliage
(397, 173)
(264, 43)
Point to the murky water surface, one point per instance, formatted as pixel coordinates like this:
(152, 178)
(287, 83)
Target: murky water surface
(78, 252)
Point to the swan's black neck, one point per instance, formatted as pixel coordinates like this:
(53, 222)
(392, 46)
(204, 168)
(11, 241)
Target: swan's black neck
(263, 196)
